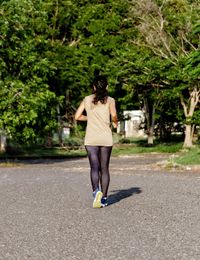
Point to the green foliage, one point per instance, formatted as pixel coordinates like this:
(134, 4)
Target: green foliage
(28, 106)
(196, 117)
(50, 51)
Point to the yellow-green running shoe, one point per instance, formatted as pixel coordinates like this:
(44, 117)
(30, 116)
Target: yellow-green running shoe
(97, 199)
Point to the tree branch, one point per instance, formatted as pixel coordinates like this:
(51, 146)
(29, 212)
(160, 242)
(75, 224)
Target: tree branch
(74, 42)
(56, 15)
(182, 45)
(184, 106)
(193, 101)
(186, 40)
(157, 51)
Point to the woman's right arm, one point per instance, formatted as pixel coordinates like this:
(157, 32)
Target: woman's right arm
(113, 113)
(79, 113)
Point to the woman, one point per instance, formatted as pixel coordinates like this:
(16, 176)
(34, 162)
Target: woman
(98, 139)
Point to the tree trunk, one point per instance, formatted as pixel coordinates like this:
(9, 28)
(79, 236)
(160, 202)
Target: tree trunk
(188, 136)
(150, 135)
(149, 113)
(49, 142)
(189, 109)
(2, 143)
(60, 127)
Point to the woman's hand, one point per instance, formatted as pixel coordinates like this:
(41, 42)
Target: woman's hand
(115, 124)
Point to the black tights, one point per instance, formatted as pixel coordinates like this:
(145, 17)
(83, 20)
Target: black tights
(99, 157)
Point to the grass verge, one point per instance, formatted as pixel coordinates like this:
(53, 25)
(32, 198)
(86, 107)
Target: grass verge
(45, 153)
(189, 157)
(185, 157)
(128, 149)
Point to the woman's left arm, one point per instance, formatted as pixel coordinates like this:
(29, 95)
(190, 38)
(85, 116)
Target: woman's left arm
(113, 113)
(79, 113)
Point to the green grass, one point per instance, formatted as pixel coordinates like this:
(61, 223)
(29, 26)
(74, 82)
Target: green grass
(118, 149)
(189, 157)
(127, 149)
(45, 152)
(56, 152)
(185, 157)
(9, 164)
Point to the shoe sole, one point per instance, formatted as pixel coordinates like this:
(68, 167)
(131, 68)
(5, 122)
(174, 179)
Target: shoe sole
(104, 205)
(97, 200)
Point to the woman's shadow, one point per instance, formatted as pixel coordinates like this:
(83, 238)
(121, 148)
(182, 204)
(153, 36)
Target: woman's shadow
(122, 194)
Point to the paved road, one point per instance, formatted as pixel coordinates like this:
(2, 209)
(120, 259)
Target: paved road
(46, 213)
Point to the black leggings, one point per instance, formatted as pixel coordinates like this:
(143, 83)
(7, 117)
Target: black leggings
(99, 158)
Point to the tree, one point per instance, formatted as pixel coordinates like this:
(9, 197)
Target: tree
(52, 49)
(96, 36)
(28, 106)
(170, 29)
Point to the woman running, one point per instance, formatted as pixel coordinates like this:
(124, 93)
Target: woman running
(98, 142)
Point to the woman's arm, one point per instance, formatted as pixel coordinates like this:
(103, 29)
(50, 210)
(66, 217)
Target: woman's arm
(79, 113)
(113, 113)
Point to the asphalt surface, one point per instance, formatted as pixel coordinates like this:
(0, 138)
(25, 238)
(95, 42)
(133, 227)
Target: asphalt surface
(46, 212)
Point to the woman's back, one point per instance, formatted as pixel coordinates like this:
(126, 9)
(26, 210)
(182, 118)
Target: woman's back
(98, 130)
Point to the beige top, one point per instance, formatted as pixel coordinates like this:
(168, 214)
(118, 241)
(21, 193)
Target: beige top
(98, 131)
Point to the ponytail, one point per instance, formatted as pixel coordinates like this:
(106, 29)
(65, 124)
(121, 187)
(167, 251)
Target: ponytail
(100, 89)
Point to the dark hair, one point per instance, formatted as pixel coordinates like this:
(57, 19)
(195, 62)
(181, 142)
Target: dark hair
(100, 83)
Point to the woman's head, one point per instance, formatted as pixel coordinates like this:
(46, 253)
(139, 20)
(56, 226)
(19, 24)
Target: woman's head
(100, 85)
